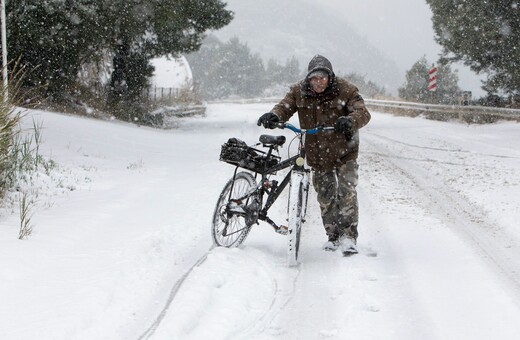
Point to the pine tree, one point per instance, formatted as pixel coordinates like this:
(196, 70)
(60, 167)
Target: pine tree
(227, 69)
(416, 85)
(483, 34)
(367, 88)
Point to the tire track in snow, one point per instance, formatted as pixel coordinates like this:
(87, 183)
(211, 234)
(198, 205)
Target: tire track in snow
(449, 150)
(173, 292)
(283, 286)
(492, 243)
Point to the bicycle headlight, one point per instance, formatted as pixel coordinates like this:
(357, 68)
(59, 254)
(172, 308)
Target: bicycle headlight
(300, 161)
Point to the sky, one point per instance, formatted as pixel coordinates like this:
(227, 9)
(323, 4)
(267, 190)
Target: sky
(403, 30)
(121, 245)
(387, 24)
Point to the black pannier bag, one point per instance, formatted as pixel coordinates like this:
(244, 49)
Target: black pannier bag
(238, 153)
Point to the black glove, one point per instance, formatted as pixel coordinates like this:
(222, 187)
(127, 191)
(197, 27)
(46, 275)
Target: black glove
(344, 125)
(268, 120)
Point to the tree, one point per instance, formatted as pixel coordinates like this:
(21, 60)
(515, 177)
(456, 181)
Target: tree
(227, 69)
(284, 74)
(144, 30)
(51, 39)
(416, 85)
(279, 77)
(292, 70)
(367, 87)
(484, 35)
(56, 37)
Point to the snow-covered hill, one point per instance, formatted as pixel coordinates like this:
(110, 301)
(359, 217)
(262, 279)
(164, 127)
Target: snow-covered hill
(121, 249)
(302, 28)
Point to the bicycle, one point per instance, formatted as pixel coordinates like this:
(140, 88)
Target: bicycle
(241, 202)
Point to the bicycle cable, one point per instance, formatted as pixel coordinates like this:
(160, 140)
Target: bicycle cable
(289, 146)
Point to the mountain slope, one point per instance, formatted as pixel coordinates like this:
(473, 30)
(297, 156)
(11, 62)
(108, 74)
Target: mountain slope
(279, 30)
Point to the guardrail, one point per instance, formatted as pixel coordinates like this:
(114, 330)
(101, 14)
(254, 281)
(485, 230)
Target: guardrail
(468, 114)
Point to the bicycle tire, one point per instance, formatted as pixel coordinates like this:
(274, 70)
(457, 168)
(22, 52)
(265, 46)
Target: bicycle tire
(228, 229)
(295, 220)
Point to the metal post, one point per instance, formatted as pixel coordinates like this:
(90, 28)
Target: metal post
(4, 53)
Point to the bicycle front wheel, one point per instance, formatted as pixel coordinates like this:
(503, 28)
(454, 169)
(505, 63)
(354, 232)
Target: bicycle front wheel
(233, 218)
(295, 210)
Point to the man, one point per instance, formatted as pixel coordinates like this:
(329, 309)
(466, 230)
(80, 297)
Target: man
(324, 99)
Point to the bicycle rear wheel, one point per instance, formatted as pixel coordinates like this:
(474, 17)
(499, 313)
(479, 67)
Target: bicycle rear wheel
(233, 214)
(295, 210)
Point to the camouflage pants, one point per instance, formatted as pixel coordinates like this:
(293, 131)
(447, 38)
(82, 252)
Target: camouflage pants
(337, 198)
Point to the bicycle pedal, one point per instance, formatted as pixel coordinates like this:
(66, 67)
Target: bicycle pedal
(282, 230)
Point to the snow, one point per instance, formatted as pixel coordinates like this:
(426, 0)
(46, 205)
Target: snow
(121, 245)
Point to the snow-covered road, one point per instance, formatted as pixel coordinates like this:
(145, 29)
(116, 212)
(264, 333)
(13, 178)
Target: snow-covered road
(439, 239)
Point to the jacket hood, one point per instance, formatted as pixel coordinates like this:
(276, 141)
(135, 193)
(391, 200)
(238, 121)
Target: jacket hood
(320, 63)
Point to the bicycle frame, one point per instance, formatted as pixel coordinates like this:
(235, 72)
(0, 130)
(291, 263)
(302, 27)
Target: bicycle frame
(272, 188)
(273, 192)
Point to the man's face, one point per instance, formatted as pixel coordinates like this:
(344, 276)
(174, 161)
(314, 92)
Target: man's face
(319, 84)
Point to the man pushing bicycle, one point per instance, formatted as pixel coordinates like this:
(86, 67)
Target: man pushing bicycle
(324, 99)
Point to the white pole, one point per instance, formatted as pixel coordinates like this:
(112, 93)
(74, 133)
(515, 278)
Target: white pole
(4, 53)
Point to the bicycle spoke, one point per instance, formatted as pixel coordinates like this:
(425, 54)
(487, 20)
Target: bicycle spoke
(229, 221)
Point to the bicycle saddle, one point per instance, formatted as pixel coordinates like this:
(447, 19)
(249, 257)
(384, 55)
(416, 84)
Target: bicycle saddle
(272, 140)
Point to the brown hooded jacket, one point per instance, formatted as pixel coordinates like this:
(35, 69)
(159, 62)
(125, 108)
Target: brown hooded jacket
(327, 149)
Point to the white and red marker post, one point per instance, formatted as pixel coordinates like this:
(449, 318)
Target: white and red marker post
(432, 79)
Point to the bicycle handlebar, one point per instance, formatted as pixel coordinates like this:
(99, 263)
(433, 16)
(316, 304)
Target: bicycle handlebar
(304, 131)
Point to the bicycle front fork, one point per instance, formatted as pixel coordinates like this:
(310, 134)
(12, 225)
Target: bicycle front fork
(300, 179)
